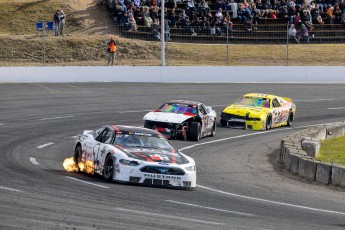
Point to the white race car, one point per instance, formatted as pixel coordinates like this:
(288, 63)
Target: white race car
(134, 155)
(179, 118)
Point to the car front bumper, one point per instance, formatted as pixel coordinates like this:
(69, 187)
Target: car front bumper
(133, 174)
(234, 121)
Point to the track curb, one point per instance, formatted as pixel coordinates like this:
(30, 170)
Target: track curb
(298, 153)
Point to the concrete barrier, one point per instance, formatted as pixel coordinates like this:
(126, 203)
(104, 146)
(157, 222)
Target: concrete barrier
(307, 168)
(294, 163)
(299, 150)
(338, 175)
(335, 131)
(311, 147)
(323, 173)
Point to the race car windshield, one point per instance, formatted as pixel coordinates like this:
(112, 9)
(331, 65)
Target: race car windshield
(253, 101)
(145, 141)
(178, 108)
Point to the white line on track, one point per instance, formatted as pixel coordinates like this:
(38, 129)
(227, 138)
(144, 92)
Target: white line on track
(270, 201)
(45, 145)
(337, 108)
(11, 189)
(169, 217)
(215, 209)
(54, 118)
(315, 100)
(33, 160)
(98, 185)
(229, 138)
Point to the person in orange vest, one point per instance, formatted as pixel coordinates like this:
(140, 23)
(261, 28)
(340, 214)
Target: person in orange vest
(111, 51)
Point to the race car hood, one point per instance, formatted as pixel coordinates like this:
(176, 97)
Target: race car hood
(240, 110)
(155, 155)
(167, 117)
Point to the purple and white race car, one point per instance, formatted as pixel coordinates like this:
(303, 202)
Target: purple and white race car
(189, 120)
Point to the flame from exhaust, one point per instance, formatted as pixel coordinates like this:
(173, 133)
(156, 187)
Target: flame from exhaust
(71, 166)
(89, 167)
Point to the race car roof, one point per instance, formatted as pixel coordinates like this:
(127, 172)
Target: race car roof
(125, 128)
(269, 96)
(184, 102)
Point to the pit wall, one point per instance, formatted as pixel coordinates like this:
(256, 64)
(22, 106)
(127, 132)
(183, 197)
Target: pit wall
(298, 153)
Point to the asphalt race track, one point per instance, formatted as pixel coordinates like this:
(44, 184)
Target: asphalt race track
(240, 183)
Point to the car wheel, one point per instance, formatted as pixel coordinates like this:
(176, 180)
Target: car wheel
(268, 122)
(148, 125)
(77, 157)
(108, 168)
(290, 119)
(223, 123)
(213, 132)
(195, 131)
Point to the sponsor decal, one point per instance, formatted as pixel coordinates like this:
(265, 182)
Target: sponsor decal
(163, 163)
(166, 177)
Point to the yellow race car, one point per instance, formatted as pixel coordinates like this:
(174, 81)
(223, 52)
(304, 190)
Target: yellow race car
(259, 112)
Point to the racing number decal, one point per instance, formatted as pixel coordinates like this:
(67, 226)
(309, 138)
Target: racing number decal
(277, 116)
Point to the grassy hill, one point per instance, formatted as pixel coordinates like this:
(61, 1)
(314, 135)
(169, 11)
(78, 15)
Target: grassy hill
(88, 27)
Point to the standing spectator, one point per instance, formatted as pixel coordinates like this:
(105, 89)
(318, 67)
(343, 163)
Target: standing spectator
(57, 21)
(62, 23)
(111, 51)
(232, 5)
(293, 33)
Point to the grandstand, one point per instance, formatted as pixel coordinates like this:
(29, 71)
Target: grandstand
(264, 28)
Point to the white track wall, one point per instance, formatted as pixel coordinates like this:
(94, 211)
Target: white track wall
(187, 74)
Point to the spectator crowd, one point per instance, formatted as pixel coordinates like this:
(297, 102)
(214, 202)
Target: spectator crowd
(216, 17)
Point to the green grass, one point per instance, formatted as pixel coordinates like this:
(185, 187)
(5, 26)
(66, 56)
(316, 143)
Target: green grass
(332, 151)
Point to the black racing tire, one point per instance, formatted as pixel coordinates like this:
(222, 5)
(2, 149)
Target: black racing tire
(223, 123)
(108, 168)
(148, 125)
(213, 132)
(77, 156)
(290, 119)
(269, 122)
(195, 131)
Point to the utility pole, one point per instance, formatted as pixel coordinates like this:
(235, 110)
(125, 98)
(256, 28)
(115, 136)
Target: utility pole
(162, 35)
